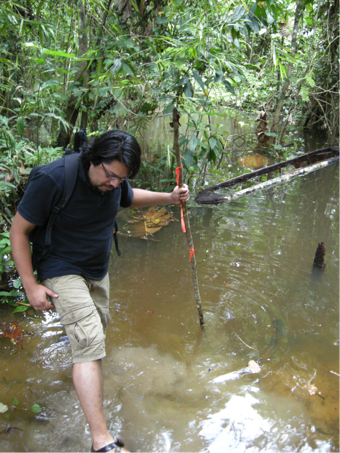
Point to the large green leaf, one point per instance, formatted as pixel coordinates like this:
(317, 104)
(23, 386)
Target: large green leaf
(129, 69)
(253, 23)
(58, 53)
(218, 76)
(193, 142)
(20, 126)
(188, 89)
(12, 293)
(188, 158)
(116, 66)
(212, 142)
(239, 12)
(20, 309)
(198, 79)
(229, 87)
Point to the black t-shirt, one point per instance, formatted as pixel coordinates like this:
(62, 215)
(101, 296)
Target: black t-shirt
(82, 231)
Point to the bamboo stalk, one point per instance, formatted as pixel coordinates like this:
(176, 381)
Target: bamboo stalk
(175, 125)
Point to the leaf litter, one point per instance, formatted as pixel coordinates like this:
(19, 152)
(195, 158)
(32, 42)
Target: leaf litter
(13, 331)
(146, 223)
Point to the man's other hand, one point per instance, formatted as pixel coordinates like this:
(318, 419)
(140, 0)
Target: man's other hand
(37, 297)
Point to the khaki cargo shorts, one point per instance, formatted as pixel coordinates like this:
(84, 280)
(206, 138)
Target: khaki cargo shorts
(83, 307)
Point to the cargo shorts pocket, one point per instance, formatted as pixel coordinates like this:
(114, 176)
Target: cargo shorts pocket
(83, 327)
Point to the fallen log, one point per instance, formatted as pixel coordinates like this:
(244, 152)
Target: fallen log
(208, 197)
(307, 159)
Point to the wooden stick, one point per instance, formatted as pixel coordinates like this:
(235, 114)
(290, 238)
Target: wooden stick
(25, 305)
(246, 344)
(175, 125)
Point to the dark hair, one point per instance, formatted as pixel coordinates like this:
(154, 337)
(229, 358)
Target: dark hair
(110, 146)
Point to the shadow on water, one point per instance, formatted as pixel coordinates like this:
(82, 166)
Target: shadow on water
(260, 301)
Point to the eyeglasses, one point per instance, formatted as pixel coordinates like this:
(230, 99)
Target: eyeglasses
(113, 177)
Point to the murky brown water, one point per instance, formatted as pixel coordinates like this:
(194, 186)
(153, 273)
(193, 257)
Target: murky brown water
(260, 300)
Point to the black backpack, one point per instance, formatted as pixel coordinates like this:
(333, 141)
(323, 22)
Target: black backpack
(70, 178)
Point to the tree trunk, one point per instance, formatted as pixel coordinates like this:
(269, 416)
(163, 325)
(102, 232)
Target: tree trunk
(98, 112)
(72, 109)
(275, 126)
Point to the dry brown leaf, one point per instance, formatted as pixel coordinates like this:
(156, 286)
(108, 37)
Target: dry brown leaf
(253, 161)
(13, 331)
(8, 178)
(254, 367)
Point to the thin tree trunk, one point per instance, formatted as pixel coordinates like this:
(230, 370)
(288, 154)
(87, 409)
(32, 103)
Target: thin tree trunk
(186, 220)
(275, 126)
(72, 109)
(97, 113)
(83, 70)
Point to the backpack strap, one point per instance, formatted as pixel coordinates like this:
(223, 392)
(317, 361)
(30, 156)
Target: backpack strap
(116, 239)
(70, 178)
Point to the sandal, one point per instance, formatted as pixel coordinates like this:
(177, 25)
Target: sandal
(113, 445)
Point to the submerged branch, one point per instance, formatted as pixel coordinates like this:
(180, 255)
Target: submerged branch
(250, 347)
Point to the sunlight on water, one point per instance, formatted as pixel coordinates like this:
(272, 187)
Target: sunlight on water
(261, 302)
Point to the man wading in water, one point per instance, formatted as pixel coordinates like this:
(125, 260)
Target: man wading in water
(74, 273)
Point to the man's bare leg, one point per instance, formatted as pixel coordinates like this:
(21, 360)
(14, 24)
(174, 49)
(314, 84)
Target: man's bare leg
(88, 382)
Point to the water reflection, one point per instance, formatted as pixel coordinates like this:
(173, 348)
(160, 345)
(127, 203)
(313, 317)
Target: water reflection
(235, 427)
(261, 302)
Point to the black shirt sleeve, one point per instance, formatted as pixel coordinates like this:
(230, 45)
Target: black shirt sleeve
(126, 195)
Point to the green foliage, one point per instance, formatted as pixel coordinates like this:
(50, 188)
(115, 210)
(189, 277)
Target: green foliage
(17, 157)
(14, 292)
(202, 142)
(5, 250)
(157, 172)
(138, 61)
